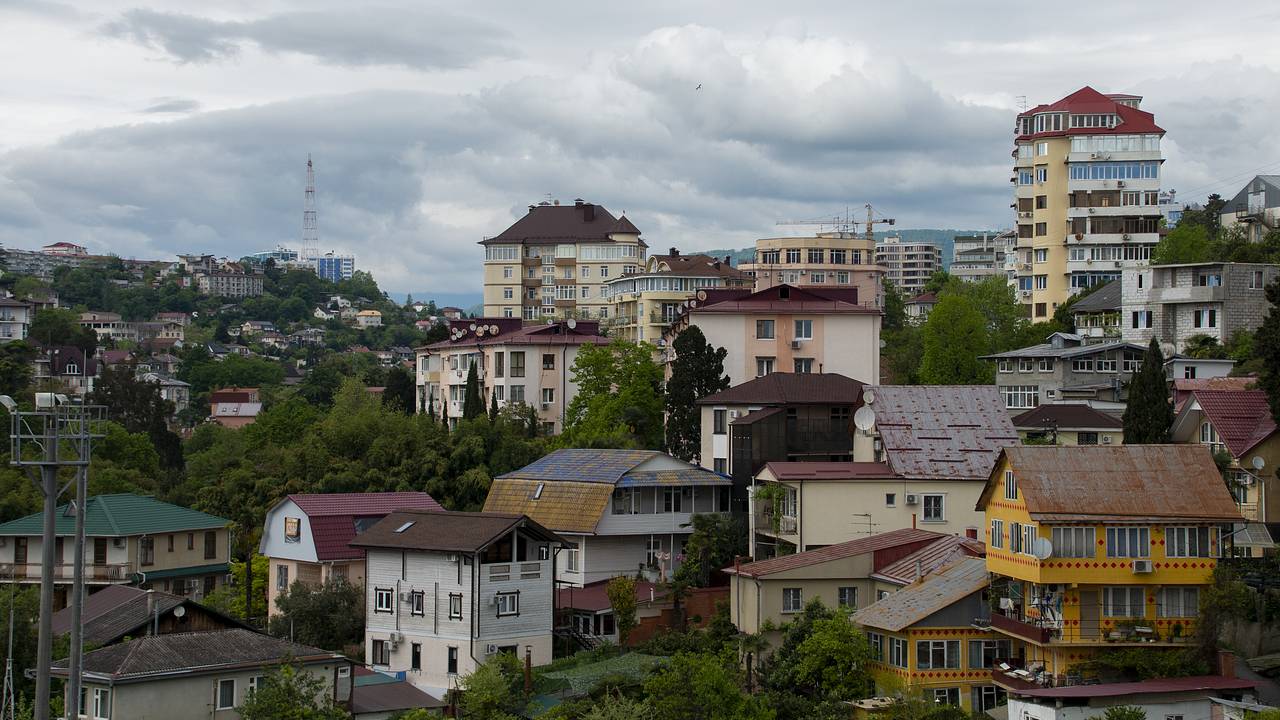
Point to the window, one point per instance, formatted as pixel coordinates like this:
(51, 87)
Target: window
(210, 544)
(1042, 255)
(381, 652)
(1042, 229)
(1206, 318)
(453, 661)
(764, 366)
(170, 542)
(1086, 438)
(1209, 436)
(604, 270)
(881, 594)
(1141, 319)
(147, 548)
(1028, 539)
(764, 329)
(721, 465)
(1025, 177)
(876, 640)
(1042, 148)
(507, 293)
(803, 365)
(1189, 372)
(282, 578)
(986, 653)
(804, 330)
(988, 697)
(1015, 537)
(1010, 486)
(842, 278)
(1042, 175)
(1026, 365)
(1082, 366)
(1255, 280)
(101, 704)
(1021, 396)
(653, 546)
(507, 272)
(548, 361)
(997, 534)
(508, 603)
(1178, 602)
(415, 656)
(548, 396)
(1005, 366)
(897, 652)
(793, 255)
(1134, 542)
(838, 257)
(1042, 202)
(1106, 365)
(384, 600)
(571, 559)
(226, 694)
(1042, 282)
(515, 393)
(417, 604)
(1124, 602)
(792, 600)
(1188, 542)
(933, 508)
(946, 696)
(817, 278)
(1074, 542)
(890, 499)
(517, 364)
(847, 597)
(719, 421)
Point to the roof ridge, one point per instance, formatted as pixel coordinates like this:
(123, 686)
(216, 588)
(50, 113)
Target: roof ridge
(106, 510)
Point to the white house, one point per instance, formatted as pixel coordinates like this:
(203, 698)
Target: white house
(1183, 697)
(446, 590)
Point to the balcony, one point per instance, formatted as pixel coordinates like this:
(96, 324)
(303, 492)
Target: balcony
(30, 572)
(1187, 294)
(1020, 629)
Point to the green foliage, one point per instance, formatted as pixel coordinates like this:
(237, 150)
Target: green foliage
(895, 308)
(1187, 243)
(15, 368)
(204, 373)
(621, 591)
(1133, 664)
(698, 371)
(290, 693)
(139, 407)
(1149, 413)
(400, 392)
(1204, 347)
(229, 599)
(618, 707)
(495, 690)
(702, 687)
(53, 327)
(1124, 712)
(472, 403)
(330, 616)
(1225, 600)
(954, 336)
(619, 401)
(822, 656)
(25, 602)
(902, 354)
(715, 541)
(1266, 347)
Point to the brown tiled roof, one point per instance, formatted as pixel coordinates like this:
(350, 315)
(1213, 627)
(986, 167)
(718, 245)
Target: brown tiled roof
(1067, 416)
(119, 610)
(573, 507)
(852, 548)
(950, 432)
(697, 266)
(830, 470)
(446, 531)
(1242, 417)
(594, 596)
(1135, 482)
(389, 697)
(931, 557)
(197, 652)
(564, 223)
(936, 592)
(817, 301)
(781, 388)
(924, 298)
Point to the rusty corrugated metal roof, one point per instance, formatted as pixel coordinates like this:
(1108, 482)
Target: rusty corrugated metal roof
(562, 506)
(935, 592)
(942, 431)
(861, 546)
(931, 557)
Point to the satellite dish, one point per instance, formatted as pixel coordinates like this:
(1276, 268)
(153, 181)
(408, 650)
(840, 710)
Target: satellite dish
(473, 327)
(1042, 548)
(702, 295)
(493, 329)
(1257, 462)
(480, 331)
(179, 611)
(868, 396)
(864, 419)
(572, 323)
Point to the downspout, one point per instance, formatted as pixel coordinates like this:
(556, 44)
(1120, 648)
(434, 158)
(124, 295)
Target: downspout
(564, 383)
(799, 510)
(475, 606)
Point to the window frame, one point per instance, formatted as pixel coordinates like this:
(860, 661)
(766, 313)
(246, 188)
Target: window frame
(843, 594)
(512, 602)
(792, 600)
(218, 702)
(387, 594)
(803, 329)
(1136, 539)
(1112, 608)
(899, 654)
(417, 603)
(941, 515)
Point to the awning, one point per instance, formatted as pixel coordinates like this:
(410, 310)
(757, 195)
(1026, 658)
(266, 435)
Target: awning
(215, 569)
(1254, 535)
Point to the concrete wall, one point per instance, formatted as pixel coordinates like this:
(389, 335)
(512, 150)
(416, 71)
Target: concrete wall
(844, 344)
(1154, 707)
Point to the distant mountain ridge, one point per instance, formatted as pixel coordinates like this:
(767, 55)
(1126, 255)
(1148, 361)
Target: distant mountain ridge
(944, 239)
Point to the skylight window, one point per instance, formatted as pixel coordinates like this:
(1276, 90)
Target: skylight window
(405, 526)
(537, 492)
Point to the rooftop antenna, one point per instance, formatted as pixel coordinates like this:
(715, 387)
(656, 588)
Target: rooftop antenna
(310, 233)
(1022, 102)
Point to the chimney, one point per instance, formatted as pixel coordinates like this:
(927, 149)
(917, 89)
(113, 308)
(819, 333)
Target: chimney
(728, 259)
(675, 252)
(577, 202)
(1226, 663)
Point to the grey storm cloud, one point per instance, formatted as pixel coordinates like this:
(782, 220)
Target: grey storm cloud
(164, 105)
(357, 37)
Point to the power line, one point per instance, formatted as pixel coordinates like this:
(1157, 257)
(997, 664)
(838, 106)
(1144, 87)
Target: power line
(1231, 178)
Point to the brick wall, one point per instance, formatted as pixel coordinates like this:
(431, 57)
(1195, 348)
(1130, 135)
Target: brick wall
(699, 607)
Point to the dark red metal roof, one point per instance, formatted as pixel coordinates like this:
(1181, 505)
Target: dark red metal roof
(1067, 416)
(564, 223)
(944, 432)
(594, 597)
(1200, 683)
(861, 546)
(1086, 101)
(333, 517)
(781, 388)
(830, 470)
(1241, 417)
(787, 298)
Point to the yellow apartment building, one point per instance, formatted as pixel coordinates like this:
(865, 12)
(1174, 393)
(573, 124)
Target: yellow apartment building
(827, 259)
(644, 303)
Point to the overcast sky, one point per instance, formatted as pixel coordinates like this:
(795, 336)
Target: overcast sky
(150, 129)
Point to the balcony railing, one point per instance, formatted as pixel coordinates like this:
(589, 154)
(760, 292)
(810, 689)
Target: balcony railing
(1020, 628)
(114, 572)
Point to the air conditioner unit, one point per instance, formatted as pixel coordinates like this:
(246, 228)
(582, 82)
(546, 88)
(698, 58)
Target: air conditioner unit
(1141, 566)
(795, 344)
(733, 414)
(1106, 439)
(1026, 293)
(1092, 210)
(1119, 264)
(1119, 183)
(802, 272)
(1093, 156)
(1245, 479)
(404, 597)
(491, 649)
(913, 499)
(395, 637)
(1126, 236)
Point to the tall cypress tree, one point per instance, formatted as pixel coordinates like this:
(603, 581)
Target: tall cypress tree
(697, 371)
(493, 405)
(1266, 346)
(472, 403)
(1149, 414)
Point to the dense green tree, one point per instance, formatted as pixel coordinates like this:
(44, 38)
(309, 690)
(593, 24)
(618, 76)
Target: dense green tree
(701, 686)
(619, 400)
(620, 707)
(621, 592)
(138, 405)
(472, 400)
(291, 693)
(1266, 347)
(1187, 243)
(953, 339)
(902, 354)
(895, 308)
(822, 656)
(53, 327)
(1124, 712)
(15, 368)
(330, 616)
(1208, 216)
(495, 690)
(1149, 413)
(400, 392)
(715, 541)
(1204, 347)
(696, 372)
(229, 599)
(493, 405)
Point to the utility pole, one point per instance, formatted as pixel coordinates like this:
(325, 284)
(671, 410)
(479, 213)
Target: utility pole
(8, 710)
(57, 434)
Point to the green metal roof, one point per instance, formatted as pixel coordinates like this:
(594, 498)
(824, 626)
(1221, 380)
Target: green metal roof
(216, 568)
(119, 515)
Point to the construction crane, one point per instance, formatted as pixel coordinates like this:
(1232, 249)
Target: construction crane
(846, 223)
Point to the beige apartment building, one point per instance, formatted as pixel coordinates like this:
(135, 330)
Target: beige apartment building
(1086, 180)
(515, 364)
(827, 259)
(646, 302)
(555, 261)
(908, 265)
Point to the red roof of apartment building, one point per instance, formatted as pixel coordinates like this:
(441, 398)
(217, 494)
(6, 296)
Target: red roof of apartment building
(1087, 101)
(580, 222)
(1066, 416)
(819, 301)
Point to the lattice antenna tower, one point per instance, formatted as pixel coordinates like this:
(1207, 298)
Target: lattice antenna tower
(310, 232)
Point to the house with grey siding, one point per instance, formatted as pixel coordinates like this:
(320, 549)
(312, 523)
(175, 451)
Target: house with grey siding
(1066, 368)
(1174, 302)
(444, 591)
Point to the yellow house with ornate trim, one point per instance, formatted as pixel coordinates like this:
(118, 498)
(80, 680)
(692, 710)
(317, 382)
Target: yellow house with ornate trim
(932, 638)
(1098, 547)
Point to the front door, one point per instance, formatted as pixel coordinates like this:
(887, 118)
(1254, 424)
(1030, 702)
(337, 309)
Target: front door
(1089, 614)
(99, 551)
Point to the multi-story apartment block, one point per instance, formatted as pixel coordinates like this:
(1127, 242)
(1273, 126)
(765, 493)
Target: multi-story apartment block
(515, 364)
(646, 302)
(1094, 548)
(306, 536)
(787, 329)
(1237, 423)
(908, 265)
(445, 591)
(1256, 208)
(229, 284)
(129, 540)
(15, 319)
(827, 259)
(1065, 368)
(1097, 315)
(1087, 191)
(335, 268)
(778, 417)
(975, 258)
(1175, 302)
(930, 637)
(555, 261)
(620, 511)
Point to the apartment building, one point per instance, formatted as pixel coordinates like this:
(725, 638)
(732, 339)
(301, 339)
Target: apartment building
(447, 590)
(1097, 315)
(334, 267)
(975, 258)
(129, 540)
(229, 284)
(1086, 178)
(1255, 209)
(908, 265)
(1099, 548)
(554, 262)
(787, 329)
(620, 512)
(1065, 368)
(15, 319)
(306, 536)
(827, 259)
(1175, 302)
(515, 364)
(778, 417)
(644, 303)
